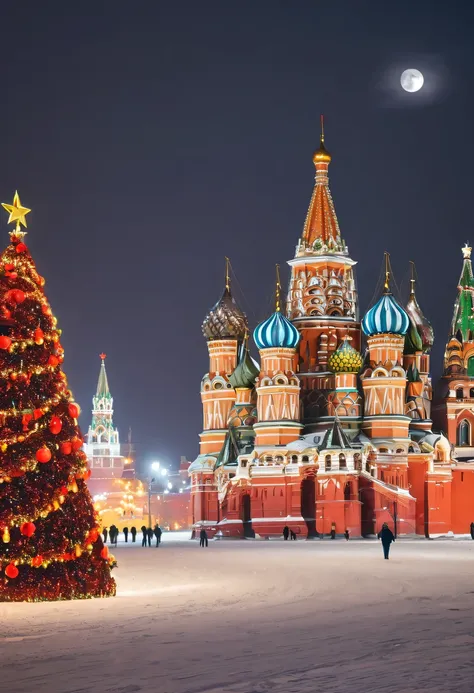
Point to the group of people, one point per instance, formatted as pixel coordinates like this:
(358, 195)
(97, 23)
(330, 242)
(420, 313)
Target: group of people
(385, 535)
(288, 534)
(148, 533)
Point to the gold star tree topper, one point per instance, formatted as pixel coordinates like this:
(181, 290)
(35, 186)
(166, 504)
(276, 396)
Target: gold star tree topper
(17, 215)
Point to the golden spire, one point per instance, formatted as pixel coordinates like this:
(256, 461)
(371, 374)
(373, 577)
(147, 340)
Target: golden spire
(412, 278)
(322, 129)
(227, 274)
(386, 285)
(277, 290)
(17, 215)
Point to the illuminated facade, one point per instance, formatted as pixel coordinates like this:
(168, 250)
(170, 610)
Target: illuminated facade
(319, 437)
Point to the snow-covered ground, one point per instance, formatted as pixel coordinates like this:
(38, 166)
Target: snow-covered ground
(249, 617)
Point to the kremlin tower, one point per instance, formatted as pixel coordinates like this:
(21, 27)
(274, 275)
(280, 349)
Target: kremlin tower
(319, 438)
(102, 445)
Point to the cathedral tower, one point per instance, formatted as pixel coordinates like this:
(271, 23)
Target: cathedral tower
(224, 328)
(278, 388)
(322, 298)
(384, 381)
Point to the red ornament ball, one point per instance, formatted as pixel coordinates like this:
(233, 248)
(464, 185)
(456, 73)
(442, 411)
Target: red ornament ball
(43, 455)
(5, 342)
(11, 571)
(37, 561)
(28, 529)
(55, 425)
(18, 296)
(65, 448)
(74, 410)
(53, 360)
(20, 248)
(76, 444)
(37, 414)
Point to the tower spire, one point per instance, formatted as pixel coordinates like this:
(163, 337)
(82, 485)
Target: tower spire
(386, 285)
(102, 384)
(321, 233)
(412, 279)
(227, 274)
(277, 290)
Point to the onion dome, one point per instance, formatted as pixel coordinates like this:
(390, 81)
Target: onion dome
(245, 373)
(345, 359)
(386, 317)
(225, 320)
(413, 341)
(276, 331)
(423, 327)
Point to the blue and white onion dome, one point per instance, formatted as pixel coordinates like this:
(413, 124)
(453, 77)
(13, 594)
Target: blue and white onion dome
(385, 317)
(276, 331)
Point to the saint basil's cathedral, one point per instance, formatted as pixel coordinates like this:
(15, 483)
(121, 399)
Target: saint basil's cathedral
(325, 434)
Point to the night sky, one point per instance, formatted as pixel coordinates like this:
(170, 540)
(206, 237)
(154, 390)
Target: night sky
(151, 139)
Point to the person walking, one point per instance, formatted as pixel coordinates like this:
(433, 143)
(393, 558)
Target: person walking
(149, 534)
(346, 534)
(333, 530)
(472, 530)
(133, 532)
(386, 536)
(292, 535)
(203, 540)
(157, 532)
(125, 534)
(286, 532)
(144, 532)
(104, 534)
(113, 534)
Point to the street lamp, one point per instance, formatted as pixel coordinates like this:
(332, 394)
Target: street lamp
(155, 466)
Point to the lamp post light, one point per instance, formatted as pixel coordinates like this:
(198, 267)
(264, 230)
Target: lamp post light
(155, 466)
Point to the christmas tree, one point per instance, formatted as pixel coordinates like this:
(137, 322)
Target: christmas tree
(50, 544)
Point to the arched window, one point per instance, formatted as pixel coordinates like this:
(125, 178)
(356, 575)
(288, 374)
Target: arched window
(294, 459)
(470, 367)
(460, 392)
(327, 463)
(342, 461)
(464, 433)
(471, 393)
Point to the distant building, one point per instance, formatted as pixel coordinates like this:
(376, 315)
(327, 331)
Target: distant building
(103, 445)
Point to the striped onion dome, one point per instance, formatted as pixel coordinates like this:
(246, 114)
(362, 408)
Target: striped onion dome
(276, 331)
(345, 359)
(386, 317)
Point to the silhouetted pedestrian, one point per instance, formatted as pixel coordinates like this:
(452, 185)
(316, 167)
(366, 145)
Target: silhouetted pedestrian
(292, 535)
(472, 530)
(203, 540)
(286, 532)
(386, 536)
(346, 534)
(157, 532)
(104, 534)
(125, 534)
(143, 528)
(113, 534)
(149, 534)
(133, 532)
(333, 531)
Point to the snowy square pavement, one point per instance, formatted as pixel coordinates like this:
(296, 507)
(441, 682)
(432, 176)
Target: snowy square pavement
(249, 617)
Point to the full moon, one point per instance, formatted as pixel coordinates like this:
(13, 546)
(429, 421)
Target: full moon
(412, 80)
